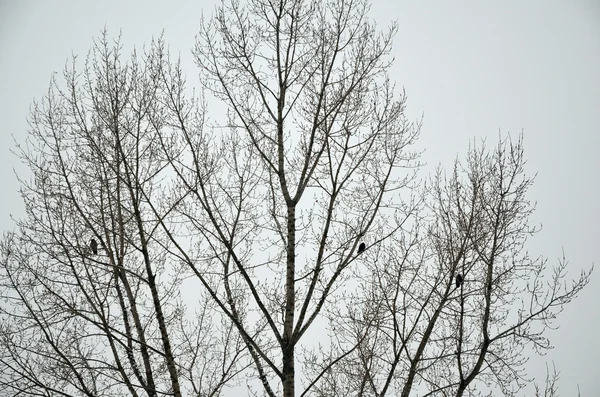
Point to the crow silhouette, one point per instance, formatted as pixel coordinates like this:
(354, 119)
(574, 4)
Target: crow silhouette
(361, 248)
(94, 246)
(459, 280)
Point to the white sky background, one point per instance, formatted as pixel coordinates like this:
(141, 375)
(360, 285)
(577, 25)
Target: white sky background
(470, 68)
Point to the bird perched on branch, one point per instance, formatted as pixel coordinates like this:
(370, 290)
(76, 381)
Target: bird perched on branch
(459, 280)
(361, 248)
(94, 246)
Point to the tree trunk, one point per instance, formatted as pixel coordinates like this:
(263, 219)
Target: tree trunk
(290, 299)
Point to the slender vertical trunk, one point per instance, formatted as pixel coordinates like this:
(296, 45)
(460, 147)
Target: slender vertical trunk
(290, 303)
(133, 186)
(288, 372)
(417, 358)
(171, 366)
(149, 385)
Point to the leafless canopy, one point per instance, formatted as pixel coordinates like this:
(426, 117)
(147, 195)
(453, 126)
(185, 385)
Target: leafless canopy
(228, 250)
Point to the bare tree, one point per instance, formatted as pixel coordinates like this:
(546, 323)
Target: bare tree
(423, 331)
(313, 164)
(257, 221)
(109, 322)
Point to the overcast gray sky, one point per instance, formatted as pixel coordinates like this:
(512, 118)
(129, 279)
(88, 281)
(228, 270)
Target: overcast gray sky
(471, 68)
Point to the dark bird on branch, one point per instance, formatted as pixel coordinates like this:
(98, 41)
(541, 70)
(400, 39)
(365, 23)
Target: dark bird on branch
(361, 248)
(94, 246)
(459, 280)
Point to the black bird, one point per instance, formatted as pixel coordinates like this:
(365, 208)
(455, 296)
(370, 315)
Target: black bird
(459, 280)
(94, 246)
(361, 248)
